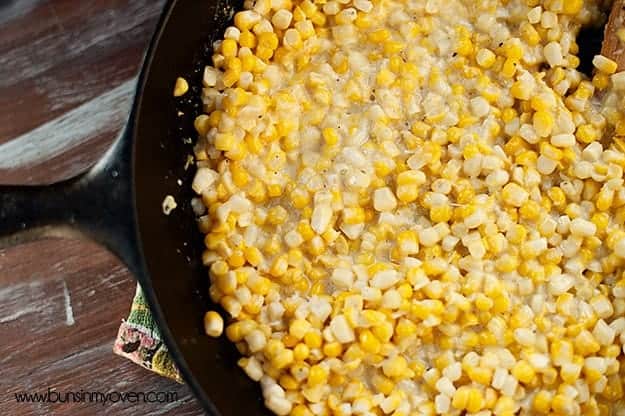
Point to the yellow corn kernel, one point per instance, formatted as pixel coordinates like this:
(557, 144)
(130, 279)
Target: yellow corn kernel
(601, 81)
(288, 382)
(512, 194)
(333, 349)
(601, 220)
(441, 213)
(330, 136)
(587, 133)
(395, 367)
(604, 200)
(585, 344)
(300, 198)
(382, 384)
(181, 87)
(523, 371)
(509, 68)
(562, 404)
(512, 49)
(301, 352)
(464, 46)
(530, 210)
(385, 77)
(202, 124)
(605, 65)
(572, 6)
(230, 77)
(317, 375)
(379, 35)
(507, 263)
(485, 58)
(543, 123)
(420, 129)
(229, 48)
(236, 331)
(353, 215)
(529, 34)
(247, 39)
(542, 401)
(313, 340)
(405, 329)
(408, 183)
(480, 375)
(267, 40)
(520, 91)
(283, 358)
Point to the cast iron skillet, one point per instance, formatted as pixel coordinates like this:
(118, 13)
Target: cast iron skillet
(118, 203)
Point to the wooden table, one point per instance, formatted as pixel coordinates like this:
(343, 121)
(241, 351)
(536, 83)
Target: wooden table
(67, 71)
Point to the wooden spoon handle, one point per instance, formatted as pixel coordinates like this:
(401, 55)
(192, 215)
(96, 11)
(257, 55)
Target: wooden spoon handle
(612, 46)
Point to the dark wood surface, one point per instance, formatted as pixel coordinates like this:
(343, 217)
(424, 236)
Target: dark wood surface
(67, 71)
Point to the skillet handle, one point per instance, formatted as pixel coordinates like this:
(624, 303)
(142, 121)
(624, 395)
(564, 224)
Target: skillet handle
(31, 212)
(98, 204)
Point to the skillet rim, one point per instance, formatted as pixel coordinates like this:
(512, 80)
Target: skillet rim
(143, 274)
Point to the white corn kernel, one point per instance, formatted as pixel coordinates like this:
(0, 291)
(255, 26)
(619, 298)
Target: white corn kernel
(560, 284)
(592, 152)
(232, 33)
(428, 237)
(385, 279)
(341, 330)
(363, 5)
(253, 369)
(453, 371)
(525, 336)
(203, 180)
(548, 20)
(256, 340)
(391, 299)
(282, 19)
(445, 386)
(342, 278)
(545, 165)
(563, 140)
(534, 15)
(279, 405)
(480, 106)
(553, 54)
(582, 228)
(321, 216)
(384, 200)
(211, 75)
(442, 403)
(618, 81)
(293, 239)
(603, 333)
(213, 324)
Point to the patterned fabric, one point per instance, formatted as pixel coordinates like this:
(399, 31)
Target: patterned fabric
(139, 340)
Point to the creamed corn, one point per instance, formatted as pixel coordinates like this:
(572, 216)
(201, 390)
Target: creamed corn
(416, 207)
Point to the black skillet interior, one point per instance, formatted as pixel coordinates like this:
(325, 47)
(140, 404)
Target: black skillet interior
(172, 245)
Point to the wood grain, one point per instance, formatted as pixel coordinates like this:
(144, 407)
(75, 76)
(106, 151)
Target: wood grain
(74, 52)
(67, 70)
(613, 47)
(43, 348)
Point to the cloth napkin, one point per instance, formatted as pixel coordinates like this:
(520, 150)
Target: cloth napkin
(140, 341)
